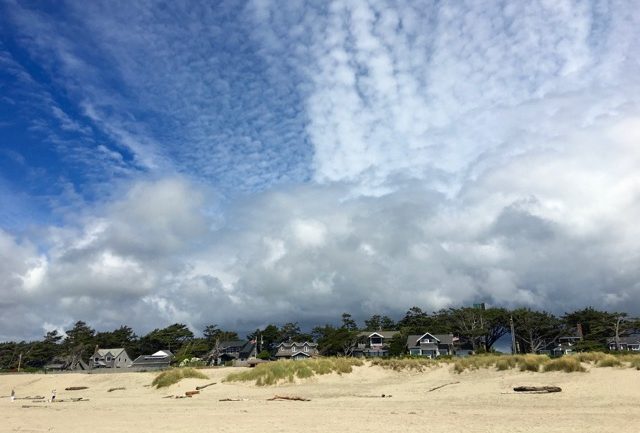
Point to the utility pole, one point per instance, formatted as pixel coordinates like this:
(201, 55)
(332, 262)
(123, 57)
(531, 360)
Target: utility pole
(514, 349)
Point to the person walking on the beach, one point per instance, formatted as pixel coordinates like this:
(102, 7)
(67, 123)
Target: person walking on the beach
(53, 395)
(13, 395)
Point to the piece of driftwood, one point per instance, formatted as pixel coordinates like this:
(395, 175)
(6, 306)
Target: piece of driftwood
(71, 400)
(190, 393)
(168, 396)
(116, 389)
(198, 388)
(76, 388)
(234, 399)
(441, 386)
(31, 405)
(288, 397)
(537, 389)
(35, 397)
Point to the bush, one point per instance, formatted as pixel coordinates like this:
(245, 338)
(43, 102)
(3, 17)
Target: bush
(568, 364)
(173, 376)
(609, 361)
(271, 373)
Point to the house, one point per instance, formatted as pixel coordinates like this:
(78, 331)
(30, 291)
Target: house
(629, 341)
(159, 360)
(374, 343)
(430, 345)
(293, 350)
(68, 363)
(110, 358)
(231, 351)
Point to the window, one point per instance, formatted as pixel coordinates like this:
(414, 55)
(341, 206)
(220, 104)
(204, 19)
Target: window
(306, 348)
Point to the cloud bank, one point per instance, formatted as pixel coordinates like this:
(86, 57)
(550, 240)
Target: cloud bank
(444, 154)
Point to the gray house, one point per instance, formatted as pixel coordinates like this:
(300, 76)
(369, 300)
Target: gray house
(430, 345)
(110, 358)
(231, 351)
(293, 350)
(374, 343)
(158, 361)
(630, 342)
(68, 363)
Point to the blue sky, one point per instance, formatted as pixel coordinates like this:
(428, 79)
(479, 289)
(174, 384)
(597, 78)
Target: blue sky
(247, 162)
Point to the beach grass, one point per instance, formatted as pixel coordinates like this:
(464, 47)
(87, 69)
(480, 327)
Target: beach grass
(272, 373)
(401, 364)
(568, 364)
(175, 375)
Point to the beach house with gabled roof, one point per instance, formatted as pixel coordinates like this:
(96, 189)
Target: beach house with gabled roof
(430, 345)
(110, 358)
(374, 343)
(293, 350)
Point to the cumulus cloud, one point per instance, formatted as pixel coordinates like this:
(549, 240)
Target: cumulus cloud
(461, 153)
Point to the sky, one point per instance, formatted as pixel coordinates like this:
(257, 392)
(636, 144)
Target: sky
(265, 161)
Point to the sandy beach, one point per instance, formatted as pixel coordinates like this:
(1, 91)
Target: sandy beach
(600, 400)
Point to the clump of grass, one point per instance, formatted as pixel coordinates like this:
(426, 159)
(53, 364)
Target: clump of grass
(401, 364)
(592, 357)
(507, 363)
(609, 361)
(635, 362)
(531, 362)
(173, 376)
(568, 364)
(272, 373)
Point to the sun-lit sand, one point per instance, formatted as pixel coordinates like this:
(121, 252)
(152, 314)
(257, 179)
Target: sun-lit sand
(601, 400)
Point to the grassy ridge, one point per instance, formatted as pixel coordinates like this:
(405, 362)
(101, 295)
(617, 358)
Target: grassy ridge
(527, 362)
(170, 377)
(272, 373)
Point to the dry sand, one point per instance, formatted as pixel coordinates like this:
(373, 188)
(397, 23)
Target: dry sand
(601, 400)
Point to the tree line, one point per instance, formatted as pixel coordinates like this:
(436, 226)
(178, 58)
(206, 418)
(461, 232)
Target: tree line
(480, 328)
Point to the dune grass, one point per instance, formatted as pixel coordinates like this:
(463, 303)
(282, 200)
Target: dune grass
(568, 364)
(175, 375)
(272, 373)
(401, 364)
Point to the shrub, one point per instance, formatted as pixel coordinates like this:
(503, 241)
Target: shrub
(170, 377)
(568, 364)
(608, 361)
(271, 373)
(531, 362)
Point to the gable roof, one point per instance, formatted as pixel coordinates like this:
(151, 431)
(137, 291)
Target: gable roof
(383, 334)
(114, 352)
(412, 340)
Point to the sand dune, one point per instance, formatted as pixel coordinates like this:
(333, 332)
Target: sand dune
(601, 400)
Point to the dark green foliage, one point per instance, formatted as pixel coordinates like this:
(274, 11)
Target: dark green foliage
(534, 329)
(335, 341)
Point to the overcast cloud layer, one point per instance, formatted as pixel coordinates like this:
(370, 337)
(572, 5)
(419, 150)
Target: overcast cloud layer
(263, 162)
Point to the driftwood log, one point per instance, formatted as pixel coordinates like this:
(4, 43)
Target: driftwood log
(537, 389)
(190, 393)
(116, 389)
(76, 388)
(287, 397)
(441, 386)
(198, 388)
(233, 399)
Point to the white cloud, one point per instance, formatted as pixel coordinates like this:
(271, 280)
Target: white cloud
(463, 153)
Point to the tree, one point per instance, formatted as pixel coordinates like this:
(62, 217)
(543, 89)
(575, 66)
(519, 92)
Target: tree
(172, 338)
(597, 326)
(335, 341)
(80, 341)
(379, 323)
(348, 323)
(535, 329)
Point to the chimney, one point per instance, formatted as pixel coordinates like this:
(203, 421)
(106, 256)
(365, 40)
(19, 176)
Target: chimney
(579, 331)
